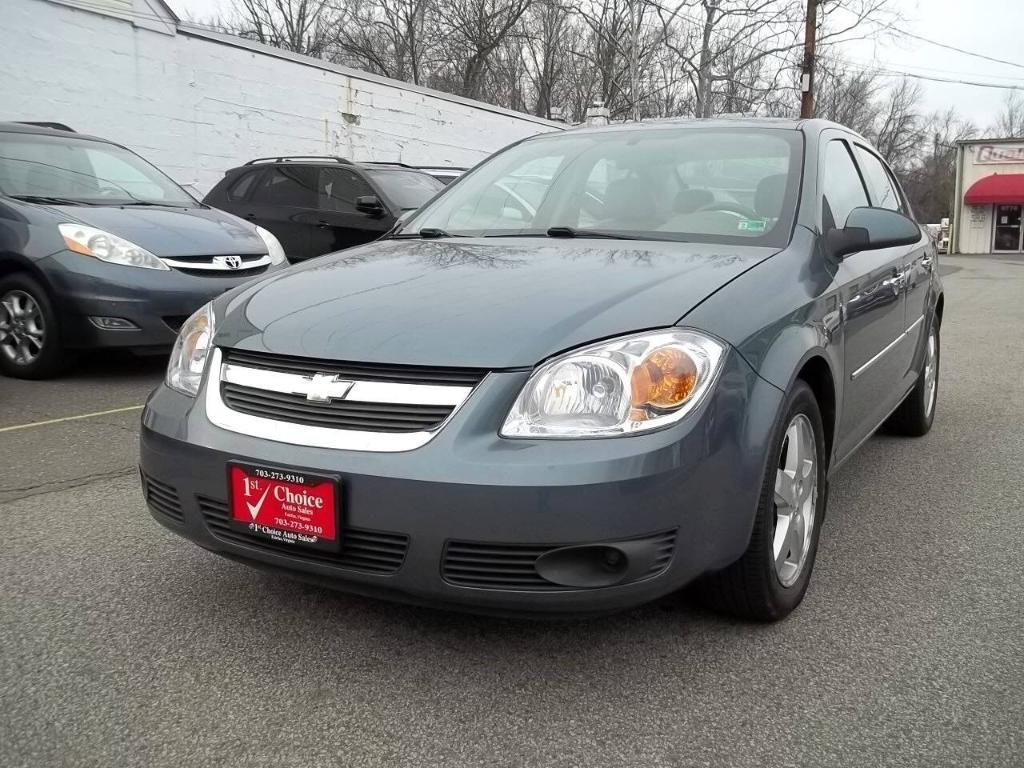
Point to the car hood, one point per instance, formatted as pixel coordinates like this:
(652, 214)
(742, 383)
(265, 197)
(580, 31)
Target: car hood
(491, 303)
(170, 232)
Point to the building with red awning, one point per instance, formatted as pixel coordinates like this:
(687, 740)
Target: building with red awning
(988, 212)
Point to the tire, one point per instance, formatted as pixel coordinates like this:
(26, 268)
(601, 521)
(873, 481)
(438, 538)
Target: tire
(914, 416)
(759, 586)
(30, 344)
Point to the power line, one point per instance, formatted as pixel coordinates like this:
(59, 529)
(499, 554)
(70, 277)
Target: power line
(954, 48)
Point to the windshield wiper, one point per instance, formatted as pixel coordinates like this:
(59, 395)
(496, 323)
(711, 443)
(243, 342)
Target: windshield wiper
(148, 202)
(427, 233)
(49, 200)
(607, 235)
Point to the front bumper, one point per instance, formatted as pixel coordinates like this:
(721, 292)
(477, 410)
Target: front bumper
(691, 489)
(155, 302)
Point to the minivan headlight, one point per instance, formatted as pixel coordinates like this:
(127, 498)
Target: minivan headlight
(636, 383)
(191, 350)
(274, 248)
(104, 246)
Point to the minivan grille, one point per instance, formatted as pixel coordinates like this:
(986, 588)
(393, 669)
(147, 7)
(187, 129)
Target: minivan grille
(513, 566)
(381, 552)
(403, 374)
(200, 266)
(338, 414)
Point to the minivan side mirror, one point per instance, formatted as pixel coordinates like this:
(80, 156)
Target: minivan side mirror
(869, 229)
(369, 204)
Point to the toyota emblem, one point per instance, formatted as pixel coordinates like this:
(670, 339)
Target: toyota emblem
(228, 262)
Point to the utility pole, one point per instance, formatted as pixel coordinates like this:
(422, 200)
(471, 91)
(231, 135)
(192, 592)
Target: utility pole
(807, 73)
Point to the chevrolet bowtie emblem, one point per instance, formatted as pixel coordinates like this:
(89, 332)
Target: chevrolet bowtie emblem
(325, 387)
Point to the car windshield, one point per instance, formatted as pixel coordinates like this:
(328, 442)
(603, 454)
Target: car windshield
(407, 189)
(692, 184)
(83, 171)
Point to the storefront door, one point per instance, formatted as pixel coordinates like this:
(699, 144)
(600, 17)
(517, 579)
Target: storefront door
(1008, 229)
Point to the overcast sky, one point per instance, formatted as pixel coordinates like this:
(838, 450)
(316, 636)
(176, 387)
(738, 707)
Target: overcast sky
(991, 27)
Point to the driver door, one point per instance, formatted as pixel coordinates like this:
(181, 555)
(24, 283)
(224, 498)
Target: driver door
(873, 305)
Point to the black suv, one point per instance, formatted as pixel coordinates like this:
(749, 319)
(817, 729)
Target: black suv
(317, 205)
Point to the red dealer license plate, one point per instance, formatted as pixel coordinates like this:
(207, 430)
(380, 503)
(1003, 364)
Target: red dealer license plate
(285, 506)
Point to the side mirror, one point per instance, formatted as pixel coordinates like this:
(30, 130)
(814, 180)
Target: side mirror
(370, 205)
(869, 229)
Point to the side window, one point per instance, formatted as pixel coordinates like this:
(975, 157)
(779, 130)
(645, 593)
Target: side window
(291, 187)
(242, 185)
(880, 186)
(339, 189)
(843, 189)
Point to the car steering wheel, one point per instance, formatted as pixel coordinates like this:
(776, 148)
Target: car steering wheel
(727, 207)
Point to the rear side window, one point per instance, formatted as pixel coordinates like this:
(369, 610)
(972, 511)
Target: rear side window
(339, 189)
(291, 187)
(882, 190)
(240, 189)
(844, 190)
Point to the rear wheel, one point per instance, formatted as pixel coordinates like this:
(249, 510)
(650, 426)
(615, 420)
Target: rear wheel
(771, 577)
(916, 413)
(30, 346)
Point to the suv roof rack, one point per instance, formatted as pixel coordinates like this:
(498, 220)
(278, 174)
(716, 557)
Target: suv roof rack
(386, 162)
(293, 158)
(42, 124)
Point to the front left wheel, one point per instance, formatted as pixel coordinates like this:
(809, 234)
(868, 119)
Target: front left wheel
(30, 346)
(771, 577)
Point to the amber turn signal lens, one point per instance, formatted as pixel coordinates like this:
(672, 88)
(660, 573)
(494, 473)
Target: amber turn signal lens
(665, 379)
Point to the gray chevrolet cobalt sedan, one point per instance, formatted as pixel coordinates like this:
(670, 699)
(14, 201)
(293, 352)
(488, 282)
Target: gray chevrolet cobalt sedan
(603, 365)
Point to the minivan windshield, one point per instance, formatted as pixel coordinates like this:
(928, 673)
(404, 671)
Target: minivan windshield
(663, 183)
(66, 169)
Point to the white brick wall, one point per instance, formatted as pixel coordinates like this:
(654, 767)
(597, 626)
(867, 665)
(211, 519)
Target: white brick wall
(197, 104)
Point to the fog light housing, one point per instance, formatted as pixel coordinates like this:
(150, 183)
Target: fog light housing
(113, 324)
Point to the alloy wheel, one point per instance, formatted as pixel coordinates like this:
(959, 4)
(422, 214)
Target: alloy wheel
(796, 500)
(931, 373)
(22, 328)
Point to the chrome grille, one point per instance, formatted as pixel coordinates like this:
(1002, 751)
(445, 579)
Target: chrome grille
(306, 366)
(339, 414)
(239, 265)
(333, 404)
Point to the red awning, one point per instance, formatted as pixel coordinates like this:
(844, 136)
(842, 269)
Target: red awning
(997, 188)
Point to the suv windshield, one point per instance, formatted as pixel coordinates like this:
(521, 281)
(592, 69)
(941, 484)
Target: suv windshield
(80, 170)
(406, 189)
(705, 185)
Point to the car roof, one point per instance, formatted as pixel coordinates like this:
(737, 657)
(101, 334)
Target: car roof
(44, 131)
(328, 161)
(809, 126)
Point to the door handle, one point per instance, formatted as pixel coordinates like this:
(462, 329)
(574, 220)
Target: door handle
(322, 225)
(926, 262)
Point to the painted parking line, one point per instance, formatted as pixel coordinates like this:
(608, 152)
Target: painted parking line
(71, 418)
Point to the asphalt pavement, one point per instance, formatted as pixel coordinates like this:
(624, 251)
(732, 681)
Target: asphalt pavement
(123, 645)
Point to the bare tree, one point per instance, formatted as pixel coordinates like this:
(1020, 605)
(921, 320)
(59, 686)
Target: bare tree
(1010, 122)
(390, 37)
(302, 26)
(473, 30)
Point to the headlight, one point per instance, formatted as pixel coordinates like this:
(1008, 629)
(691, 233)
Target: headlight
(188, 358)
(633, 384)
(104, 246)
(274, 249)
